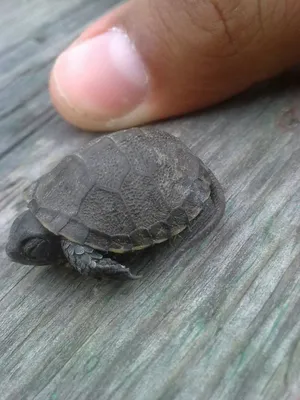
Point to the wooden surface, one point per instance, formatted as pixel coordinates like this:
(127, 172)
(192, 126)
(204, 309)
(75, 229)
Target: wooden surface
(218, 319)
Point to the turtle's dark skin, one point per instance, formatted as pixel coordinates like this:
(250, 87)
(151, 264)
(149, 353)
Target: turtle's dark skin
(120, 193)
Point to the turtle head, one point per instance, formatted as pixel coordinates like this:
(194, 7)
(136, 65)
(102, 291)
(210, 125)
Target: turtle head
(30, 242)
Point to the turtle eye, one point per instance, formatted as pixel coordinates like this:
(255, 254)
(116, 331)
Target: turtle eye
(37, 249)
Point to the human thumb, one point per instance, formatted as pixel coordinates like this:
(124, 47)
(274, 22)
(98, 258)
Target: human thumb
(151, 59)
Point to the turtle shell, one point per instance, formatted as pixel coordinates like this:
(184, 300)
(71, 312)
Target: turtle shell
(121, 192)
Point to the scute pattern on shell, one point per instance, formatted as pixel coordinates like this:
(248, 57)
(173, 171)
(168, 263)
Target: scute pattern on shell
(123, 191)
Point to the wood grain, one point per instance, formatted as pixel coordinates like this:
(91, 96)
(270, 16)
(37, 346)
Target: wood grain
(215, 319)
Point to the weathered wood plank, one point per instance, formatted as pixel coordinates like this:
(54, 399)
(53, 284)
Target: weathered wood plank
(217, 319)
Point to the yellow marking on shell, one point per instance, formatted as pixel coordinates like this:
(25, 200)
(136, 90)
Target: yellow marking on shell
(195, 213)
(178, 230)
(118, 251)
(45, 225)
(136, 248)
(159, 241)
(26, 196)
(142, 247)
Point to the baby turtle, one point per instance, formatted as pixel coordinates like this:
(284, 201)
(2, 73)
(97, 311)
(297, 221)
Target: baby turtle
(120, 193)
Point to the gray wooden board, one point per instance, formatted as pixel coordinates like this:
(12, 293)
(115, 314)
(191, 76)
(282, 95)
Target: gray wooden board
(217, 319)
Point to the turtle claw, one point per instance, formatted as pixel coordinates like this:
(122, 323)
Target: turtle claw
(117, 273)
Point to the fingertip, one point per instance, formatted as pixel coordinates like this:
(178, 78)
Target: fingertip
(100, 81)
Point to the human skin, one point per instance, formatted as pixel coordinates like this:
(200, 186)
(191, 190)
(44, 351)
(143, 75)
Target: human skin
(151, 59)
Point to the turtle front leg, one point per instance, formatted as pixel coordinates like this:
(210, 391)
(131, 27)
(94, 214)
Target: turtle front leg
(90, 262)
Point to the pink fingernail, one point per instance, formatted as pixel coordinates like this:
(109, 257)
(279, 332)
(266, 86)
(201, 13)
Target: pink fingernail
(103, 76)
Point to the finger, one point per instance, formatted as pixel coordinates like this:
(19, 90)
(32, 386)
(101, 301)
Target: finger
(152, 59)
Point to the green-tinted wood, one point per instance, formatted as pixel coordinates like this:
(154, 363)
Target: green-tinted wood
(217, 319)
